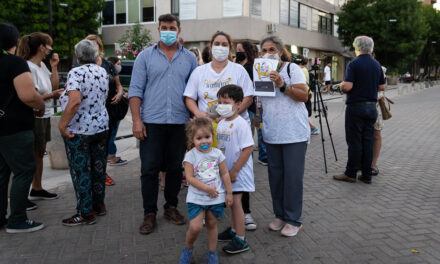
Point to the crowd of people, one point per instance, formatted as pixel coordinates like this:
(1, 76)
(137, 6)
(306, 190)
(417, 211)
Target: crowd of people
(191, 110)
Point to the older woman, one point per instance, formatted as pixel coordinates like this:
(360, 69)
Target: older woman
(84, 126)
(286, 133)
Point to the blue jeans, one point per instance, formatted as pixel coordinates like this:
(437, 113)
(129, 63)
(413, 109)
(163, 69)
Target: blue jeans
(359, 134)
(111, 144)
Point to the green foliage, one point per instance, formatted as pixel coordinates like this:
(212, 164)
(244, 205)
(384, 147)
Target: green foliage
(395, 43)
(33, 15)
(134, 40)
(430, 56)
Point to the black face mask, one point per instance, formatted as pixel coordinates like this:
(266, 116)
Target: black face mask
(240, 56)
(49, 56)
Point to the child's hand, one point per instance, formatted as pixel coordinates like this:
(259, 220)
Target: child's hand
(233, 174)
(212, 192)
(228, 200)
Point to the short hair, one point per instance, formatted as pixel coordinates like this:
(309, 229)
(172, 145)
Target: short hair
(363, 44)
(206, 54)
(280, 46)
(98, 41)
(169, 18)
(113, 59)
(29, 44)
(228, 38)
(8, 36)
(232, 91)
(192, 126)
(86, 51)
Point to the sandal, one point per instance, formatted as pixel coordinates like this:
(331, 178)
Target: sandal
(118, 162)
(374, 170)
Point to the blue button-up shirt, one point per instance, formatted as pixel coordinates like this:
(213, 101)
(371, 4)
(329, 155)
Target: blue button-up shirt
(160, 84)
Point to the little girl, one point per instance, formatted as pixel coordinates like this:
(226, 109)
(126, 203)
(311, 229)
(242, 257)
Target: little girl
(207, 175)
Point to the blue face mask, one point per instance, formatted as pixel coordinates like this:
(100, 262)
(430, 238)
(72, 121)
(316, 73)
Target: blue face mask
(204, 148)
(168, 37)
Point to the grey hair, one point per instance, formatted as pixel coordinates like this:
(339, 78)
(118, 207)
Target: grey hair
(86, 51)
(275, 40)
(363, 44)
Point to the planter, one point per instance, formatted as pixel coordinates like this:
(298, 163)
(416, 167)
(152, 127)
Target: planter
(55, 148)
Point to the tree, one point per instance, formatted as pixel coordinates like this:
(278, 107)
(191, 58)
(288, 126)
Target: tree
(33, 15)
(430, 57)
(134, 41)
(398, 28)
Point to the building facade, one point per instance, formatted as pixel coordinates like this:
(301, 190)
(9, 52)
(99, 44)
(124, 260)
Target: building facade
(306, 26)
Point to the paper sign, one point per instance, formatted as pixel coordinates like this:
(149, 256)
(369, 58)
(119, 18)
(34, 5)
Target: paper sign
(262, 83)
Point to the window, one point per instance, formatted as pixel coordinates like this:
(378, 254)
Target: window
(325, 23)
(256, 7)
(284, 12)
(305, 19)
(289, 11)
(188, 9)
(147, 11)
(315, 20)
(121, 13)
(133, 11)
(293, 13)
(175, 7)
(232, 8)
(108, 14)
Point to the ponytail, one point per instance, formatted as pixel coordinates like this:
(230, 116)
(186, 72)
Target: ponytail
(29, 44)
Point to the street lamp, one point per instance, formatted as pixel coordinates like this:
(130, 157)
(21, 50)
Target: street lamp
(389, 20)
(69, 25)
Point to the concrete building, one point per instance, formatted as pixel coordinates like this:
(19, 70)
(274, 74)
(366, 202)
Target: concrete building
(306, 26)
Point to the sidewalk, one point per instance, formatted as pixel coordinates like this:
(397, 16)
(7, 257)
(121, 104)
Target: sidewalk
(393, 220)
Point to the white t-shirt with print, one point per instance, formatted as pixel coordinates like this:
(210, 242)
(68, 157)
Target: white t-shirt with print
(41, 77)
(207, 170)
(92, 81)
(204, 83)
(232, 137)
(285, 120)
(328, 74)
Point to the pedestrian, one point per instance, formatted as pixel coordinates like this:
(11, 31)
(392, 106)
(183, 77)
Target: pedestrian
(327, 77)
(160, 74)
(35, 48)
(235, 140)
(245, 55)
(17, 155)
(286, 132)
(84, 127)
(206, 55)
(363, 79)
(112, 159)
(114, 94)
(209, 190)
(198, 55)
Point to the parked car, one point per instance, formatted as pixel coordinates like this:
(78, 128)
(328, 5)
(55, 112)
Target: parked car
(125, 74)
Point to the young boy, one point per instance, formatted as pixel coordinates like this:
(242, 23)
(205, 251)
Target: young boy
(234, 138)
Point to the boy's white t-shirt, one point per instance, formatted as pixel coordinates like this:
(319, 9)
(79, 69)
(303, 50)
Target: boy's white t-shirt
(204, 83)
(327, 73)
(41, 77)
(207, 170)
(232, 137)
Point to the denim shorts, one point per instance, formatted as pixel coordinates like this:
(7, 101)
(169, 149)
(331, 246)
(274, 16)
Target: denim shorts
(195, 209)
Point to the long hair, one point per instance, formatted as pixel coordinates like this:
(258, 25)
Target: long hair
(29, 44)
(98, 41)
(280, 46)
(198, 54)
(192, 126)
(250, 50)
(228, 38)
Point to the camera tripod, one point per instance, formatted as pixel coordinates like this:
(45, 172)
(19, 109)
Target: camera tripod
(321, 111)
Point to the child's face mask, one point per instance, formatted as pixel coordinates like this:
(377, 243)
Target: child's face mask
(225, 110)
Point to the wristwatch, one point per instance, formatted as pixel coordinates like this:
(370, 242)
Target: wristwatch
(283, 88)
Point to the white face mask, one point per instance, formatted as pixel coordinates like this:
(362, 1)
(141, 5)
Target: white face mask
(220, 53)
(118, 69)
(225, 110)
(272, 56)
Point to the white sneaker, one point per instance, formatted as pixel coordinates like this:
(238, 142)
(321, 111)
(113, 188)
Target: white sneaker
(290, 230)
(276, 224)
(249, 222)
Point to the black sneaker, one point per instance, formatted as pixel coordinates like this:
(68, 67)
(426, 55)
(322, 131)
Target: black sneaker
(30, 206)
(237, 245)
(79, 220)
(25, 227)
(42, 195)
(226, 235)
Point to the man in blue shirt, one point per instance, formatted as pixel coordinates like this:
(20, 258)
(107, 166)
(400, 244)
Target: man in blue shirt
(363, 79)
(159, 77)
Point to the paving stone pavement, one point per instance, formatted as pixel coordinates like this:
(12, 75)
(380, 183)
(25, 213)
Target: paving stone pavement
(385, 222)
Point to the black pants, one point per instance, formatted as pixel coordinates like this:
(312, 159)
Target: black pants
(171, 140)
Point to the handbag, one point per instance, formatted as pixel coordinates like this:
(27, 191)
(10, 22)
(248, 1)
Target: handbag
(386, 112)
(119, 110)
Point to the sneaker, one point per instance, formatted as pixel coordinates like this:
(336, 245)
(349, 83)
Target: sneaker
(79, 220)
(263, 162)
(226, 235)
(26, 227)
(212, 257)
(314, 131)
(30, 206)
(109, 181)
(290, 230)
(343, 177)
(100, 210)
(249, 222)
(237, 245)
(118, 162)
(374, 170)
(276, 224)
(42, 195)
(185, 258)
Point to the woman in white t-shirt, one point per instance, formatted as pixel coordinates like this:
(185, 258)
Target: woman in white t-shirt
(205, 81)
(286, 132)
(34, 48)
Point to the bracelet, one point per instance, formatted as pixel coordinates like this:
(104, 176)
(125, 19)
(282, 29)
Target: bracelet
(283, 88)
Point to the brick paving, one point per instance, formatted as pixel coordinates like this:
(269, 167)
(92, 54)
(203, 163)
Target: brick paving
(385, 222)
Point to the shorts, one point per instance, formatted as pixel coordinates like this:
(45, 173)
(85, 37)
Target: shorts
(218, 210)
(379, 121)
(238, 192)
(41, 132)
(327, 82)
